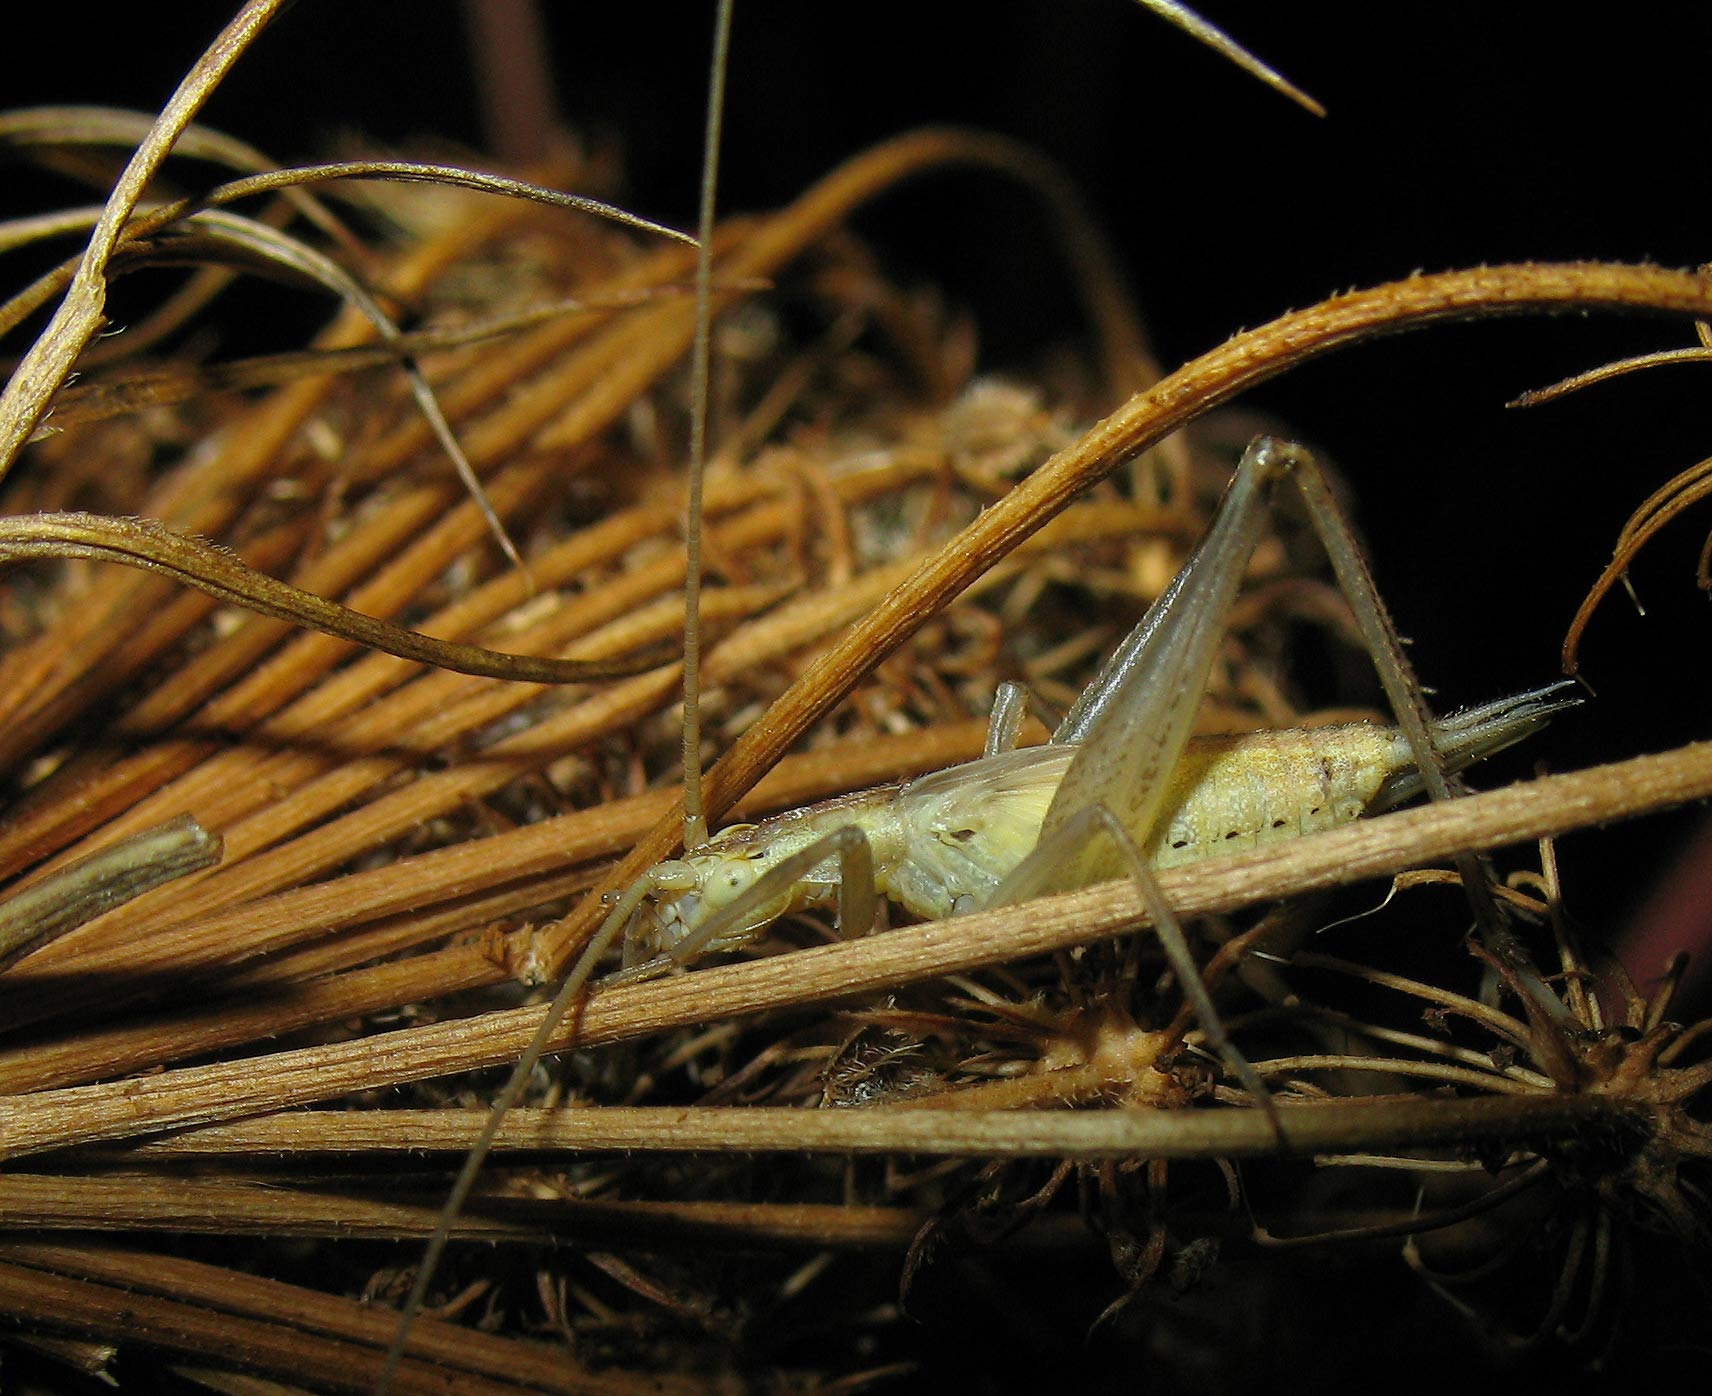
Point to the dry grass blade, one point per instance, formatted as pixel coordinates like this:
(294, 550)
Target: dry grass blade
(215, 1313)
(215, 1207)
(150, 545)
(941, 1129)
(416, 171)
(1221, 43)
(93, 401)
(1665, 504)
(29, 392)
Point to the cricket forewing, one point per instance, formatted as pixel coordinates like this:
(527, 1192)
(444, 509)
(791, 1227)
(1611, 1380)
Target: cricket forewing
(1136, 716)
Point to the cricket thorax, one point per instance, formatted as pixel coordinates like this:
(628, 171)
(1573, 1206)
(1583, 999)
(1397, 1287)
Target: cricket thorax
(968, 826)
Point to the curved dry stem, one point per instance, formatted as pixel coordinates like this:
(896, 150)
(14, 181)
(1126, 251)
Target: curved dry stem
(1494, 1020)
(45, 366)
(1426, 1221)
(1663, 506)
(152, 546)
(420, 172)
(1536, 397)
(37, 127)
(1444, 1072)
(22, 231)
(1433, 1048)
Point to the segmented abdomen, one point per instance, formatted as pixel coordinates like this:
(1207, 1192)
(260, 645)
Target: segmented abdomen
(1237, 792)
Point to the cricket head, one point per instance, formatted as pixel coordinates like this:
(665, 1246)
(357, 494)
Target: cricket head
(706, 900)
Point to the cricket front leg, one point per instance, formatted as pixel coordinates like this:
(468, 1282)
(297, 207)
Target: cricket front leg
(1414, 718)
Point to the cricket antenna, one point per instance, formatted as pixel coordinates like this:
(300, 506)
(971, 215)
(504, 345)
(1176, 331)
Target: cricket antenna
(701, 354)
(1192, 24)
(695, 822)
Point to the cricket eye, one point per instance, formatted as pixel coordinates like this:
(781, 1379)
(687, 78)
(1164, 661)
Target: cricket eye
(733, 879)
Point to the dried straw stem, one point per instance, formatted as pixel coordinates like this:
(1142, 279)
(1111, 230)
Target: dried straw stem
(334, 1343)
(935, 1130)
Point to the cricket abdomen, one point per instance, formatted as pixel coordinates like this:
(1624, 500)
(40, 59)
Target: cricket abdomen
(1237, 792)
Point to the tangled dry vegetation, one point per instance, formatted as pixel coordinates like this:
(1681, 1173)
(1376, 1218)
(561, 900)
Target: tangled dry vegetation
(233, 1100)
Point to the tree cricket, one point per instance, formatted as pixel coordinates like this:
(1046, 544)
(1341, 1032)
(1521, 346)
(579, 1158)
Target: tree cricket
(1120, 790)
(1121, 763)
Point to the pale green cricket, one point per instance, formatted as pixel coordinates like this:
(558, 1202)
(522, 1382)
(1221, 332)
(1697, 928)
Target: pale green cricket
(1016, 821)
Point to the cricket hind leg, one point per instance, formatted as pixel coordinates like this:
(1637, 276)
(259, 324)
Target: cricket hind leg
(1034, 875)
(1133, 722)
(1404, 693)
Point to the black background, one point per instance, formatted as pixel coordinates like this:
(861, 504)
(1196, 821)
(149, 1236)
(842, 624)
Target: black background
(1459, 134)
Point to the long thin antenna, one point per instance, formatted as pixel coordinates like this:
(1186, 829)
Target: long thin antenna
(1220, 42)
(701, 355)
(695, 822)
